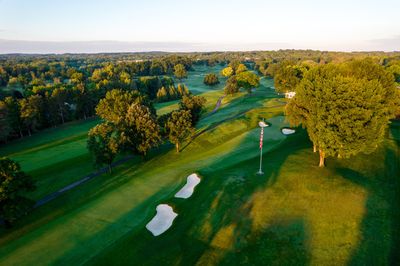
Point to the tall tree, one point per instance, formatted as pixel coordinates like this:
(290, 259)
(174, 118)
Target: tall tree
(162, 94)
(227, 72)
(141, 131)
(195, 105)
(287, 77)
(231, 86)
(234, 64)
(31, 109)
(85, 101)
(182, 89)
(180, 71)
(5, 128)
(211, 79)
(344, 112)
(14, 115)
(248, 80)
(103, 142)
(172, 94)
(59, 98)
(179, 127)
(114, 106)
(240, 68)
(14, 184)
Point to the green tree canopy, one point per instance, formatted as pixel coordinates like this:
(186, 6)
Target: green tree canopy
(31, 109)
(240, 68)
(179, 127)
(141, 132)
(114, 106)
(182, 90)
(180, 71)
(14, 183)
(211, 79)
(234, 64)
(14, 115)
(344, 112)
(104, 143)
(248, 80)
(287, 77)
(195, 105)
(231, 86)
(227, 71)
(5, 128)
(162, 94)
(59, 98)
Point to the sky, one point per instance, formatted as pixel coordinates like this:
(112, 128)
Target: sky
(55, 26)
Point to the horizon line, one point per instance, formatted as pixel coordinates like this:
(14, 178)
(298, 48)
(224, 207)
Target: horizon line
(34, 47)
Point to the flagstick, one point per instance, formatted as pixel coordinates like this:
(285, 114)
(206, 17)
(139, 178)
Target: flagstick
(260, 172)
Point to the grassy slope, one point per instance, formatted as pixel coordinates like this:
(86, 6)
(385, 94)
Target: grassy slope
(52, 156)
(295, 214)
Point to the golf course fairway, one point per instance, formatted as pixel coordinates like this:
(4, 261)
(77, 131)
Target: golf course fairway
(294, 214)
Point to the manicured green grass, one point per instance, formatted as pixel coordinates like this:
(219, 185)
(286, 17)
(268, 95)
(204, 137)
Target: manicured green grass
(295, 214)
(54, 157)
(194, 81)
(57, 157)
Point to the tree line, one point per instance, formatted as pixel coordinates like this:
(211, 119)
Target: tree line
(132, 126)
(43, 106)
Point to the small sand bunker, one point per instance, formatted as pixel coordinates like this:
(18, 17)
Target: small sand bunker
(288, 131)
(192, 181)
(162, 221)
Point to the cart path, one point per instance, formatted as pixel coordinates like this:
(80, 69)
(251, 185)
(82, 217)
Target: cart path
(90, 176)
(103, 170)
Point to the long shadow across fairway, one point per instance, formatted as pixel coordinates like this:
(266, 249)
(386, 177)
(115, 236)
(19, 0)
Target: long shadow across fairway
(72, 199)
(77, 251)
(282, 244)
(214, 226)
(381, 224)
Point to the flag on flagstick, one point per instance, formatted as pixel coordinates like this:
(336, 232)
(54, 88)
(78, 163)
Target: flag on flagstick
(261, 137)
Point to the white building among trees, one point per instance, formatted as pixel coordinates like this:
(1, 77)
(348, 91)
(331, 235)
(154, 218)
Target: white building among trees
(290, 94)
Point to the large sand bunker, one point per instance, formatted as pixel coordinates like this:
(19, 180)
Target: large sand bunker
(192, 181)
(162, 221)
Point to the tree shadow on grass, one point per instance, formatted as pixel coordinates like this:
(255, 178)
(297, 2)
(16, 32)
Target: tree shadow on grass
(279, 244)
(214, 226)
(226, 223)
(78, 196)
(380, 228)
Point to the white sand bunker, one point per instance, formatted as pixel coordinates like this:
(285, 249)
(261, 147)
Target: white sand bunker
(288, 131)
(192, 181)
(162, 221)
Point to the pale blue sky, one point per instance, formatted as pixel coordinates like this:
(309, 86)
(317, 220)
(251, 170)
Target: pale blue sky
(198, 25)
